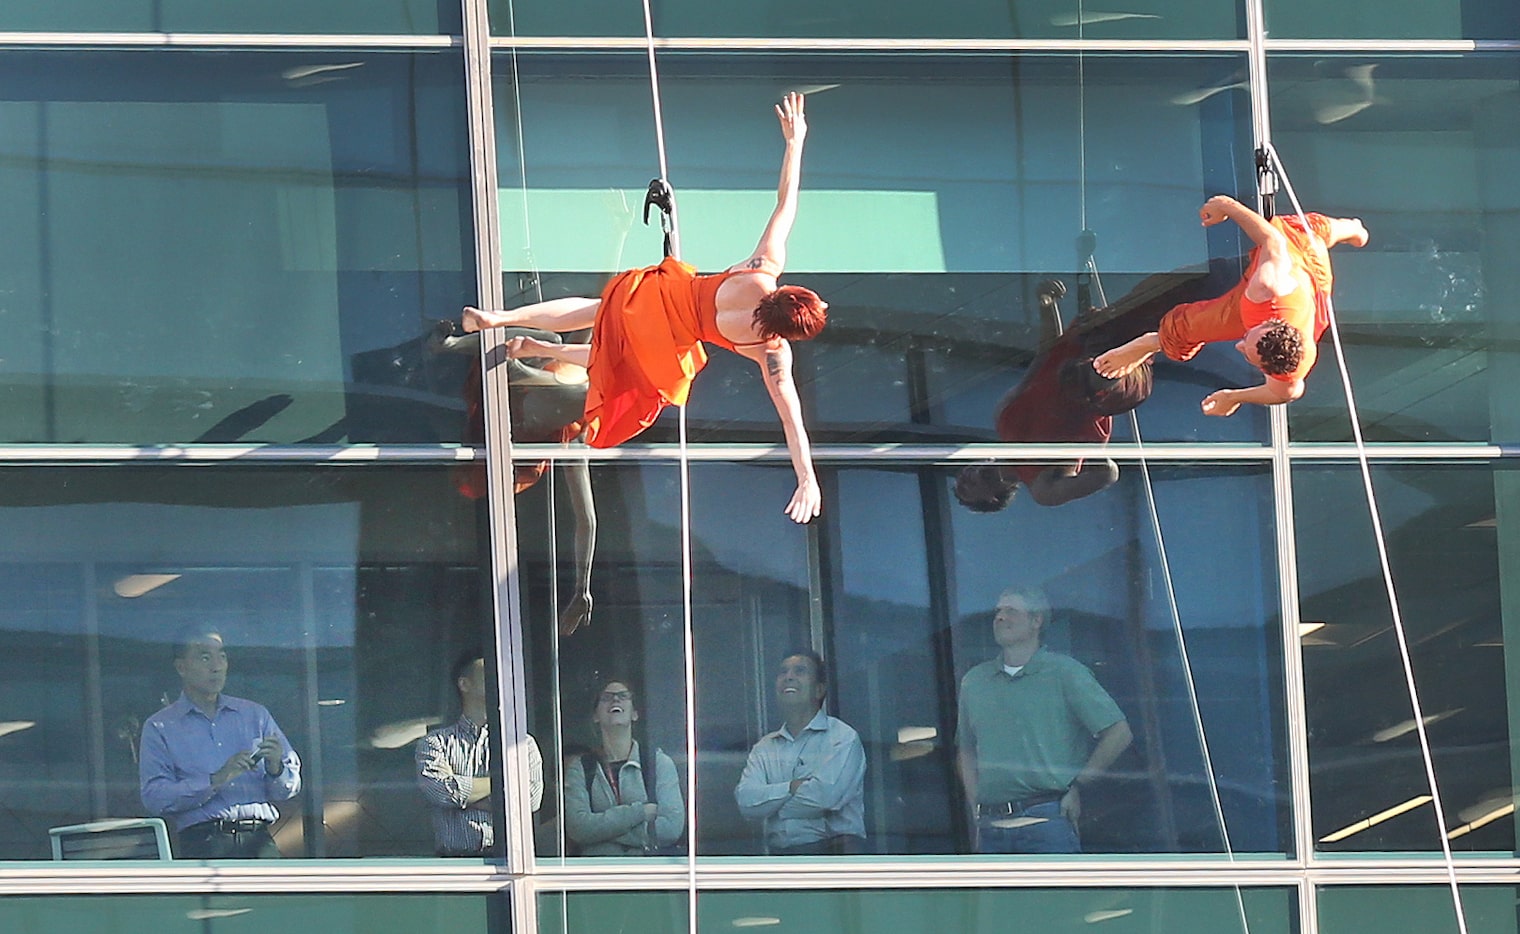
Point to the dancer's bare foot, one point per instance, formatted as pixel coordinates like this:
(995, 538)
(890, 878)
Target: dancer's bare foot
(575, 614)
(1123, 360)
(473, 319)
(519, 347)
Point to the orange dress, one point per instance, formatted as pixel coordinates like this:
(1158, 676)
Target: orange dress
(646, 347)
(1185, 329)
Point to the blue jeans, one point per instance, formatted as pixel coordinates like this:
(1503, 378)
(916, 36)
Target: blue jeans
(1053, 834)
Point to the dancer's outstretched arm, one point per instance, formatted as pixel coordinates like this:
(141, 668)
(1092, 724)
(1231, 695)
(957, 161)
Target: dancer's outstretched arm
(577, 612)
(770, 253)
(1272, 392)
(775, 361)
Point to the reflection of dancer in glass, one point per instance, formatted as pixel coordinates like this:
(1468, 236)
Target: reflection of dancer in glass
(1275, 313)
(545, 405)
(649, 326)
(1059, 400)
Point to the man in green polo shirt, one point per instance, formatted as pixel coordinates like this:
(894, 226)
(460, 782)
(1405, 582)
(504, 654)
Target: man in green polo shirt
(1035, 725)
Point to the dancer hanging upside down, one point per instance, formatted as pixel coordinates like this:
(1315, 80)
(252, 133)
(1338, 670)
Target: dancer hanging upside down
(1275, 313)
(1060, 399)
(649, 324)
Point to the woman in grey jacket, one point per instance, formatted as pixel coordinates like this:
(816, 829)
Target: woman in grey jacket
(608, 811)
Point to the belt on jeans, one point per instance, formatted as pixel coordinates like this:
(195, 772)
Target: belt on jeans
(1005, 808)
(227, 826)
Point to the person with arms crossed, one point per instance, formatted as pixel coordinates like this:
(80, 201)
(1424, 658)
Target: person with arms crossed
(806, 781)
(454, 769)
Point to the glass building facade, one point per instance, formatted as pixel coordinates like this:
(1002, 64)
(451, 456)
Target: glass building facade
(310, 191)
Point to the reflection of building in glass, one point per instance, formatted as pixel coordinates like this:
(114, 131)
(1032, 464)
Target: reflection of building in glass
(231, 230)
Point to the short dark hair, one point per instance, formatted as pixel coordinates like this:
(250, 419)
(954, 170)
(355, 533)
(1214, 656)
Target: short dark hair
(601, 685)
(462, 663)
(792, 312)
(1280, 347)
(981, 488)
(194, 634)
(820, 671)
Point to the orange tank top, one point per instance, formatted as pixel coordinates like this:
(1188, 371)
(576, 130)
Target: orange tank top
(704, 290)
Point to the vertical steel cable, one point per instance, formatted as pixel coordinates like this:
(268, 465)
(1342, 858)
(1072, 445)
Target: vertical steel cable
(687, 634)
(1387, 569)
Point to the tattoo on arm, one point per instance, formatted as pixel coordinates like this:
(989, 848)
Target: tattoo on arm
(774, 365)
(755, 263)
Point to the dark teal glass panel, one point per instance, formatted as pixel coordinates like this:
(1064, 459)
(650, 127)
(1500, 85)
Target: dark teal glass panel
(1365, 909)
(233, 914)
(1128, 911)
(342, 595)
(1422, 148)
(282, 17)
(895, 585)
(1448, 528)
(864, 19)
(938, 194)
(232, 247)
(1371, 19)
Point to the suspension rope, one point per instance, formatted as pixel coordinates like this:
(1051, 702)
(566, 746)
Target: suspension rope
(1176, 615)
(1387, 569)
(673, 248)
(1088, 241)
(1187, 667)
(557, 711)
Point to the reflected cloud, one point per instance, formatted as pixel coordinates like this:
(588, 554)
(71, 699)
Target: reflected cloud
(211, 914)
(135, 585)
(1199, 95)
(7, 727)
(1014, 823)
(307, 75)
(1407, 726)
(1342, 100)
(400, 733)
(1094, 17)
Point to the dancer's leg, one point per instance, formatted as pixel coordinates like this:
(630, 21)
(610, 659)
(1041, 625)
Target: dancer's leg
(559, 314)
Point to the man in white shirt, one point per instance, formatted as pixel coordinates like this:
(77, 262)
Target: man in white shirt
(806, 781)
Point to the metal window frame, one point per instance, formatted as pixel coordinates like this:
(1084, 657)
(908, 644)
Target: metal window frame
(519, 873)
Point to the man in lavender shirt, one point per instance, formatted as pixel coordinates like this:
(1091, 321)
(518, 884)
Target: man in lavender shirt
(211, 764)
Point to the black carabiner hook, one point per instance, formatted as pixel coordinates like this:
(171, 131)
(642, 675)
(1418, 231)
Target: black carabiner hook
(661, 196)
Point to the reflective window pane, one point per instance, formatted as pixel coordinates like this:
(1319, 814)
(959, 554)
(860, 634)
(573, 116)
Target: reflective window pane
(340, 600)
(404, 17)
(232, 247)
(1354, 909)
(1446, 541)
(1426, 308)
(222, 914)
(893, 19)
(1128, 911)
(934, 267)
(896, 588)
(1370, 19)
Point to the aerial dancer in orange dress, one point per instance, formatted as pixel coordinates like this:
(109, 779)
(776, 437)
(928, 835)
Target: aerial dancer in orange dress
(1275, 313)
(649, 326)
